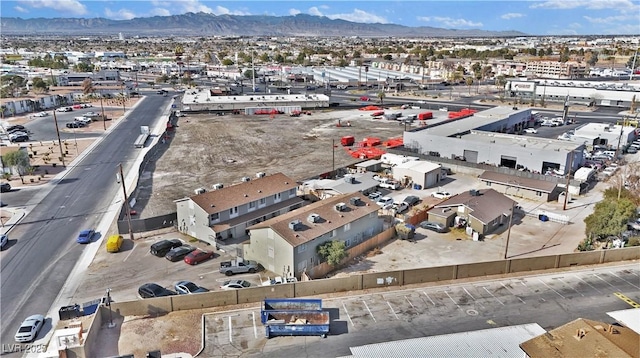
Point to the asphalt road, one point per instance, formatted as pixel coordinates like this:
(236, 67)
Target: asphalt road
(37, 264)
(550, 300)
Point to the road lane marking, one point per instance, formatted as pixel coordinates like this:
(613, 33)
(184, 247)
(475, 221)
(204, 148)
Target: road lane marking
(371, 313)
(255, 330)
(392, 311)
(492, 295)
(470, 295)
(347, 312)
(408, 300)
(230, 331)
(516, 296)
(551, 288)
(433, 303)
(626, 299)
(564, 283)
(624, 280)
(130, 252)
(532, 291)
(578, 277)
(454, 302)
(605, 281)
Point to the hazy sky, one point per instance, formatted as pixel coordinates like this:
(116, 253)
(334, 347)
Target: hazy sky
(553, 17)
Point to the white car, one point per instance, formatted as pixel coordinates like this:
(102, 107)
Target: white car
(29, 328)
(234, 284)
(441, 195)
(400, 207)
(84, 120)
(531, 130)
(41, 114)
(385, 201)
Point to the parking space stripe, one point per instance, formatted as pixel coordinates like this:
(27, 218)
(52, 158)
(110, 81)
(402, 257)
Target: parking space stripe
(626, 299)
(532, 291)
(605, 281)
(578, 277)
(255, 329)
(571, 286)
(230, 331)
(470, 295)
(624, 280)
(551, 288)
(392, 311)
(347, 312)
(130, 252)
(516, 296)
(371, 313)
(454, 302)
(492, 295)
(411, 304)
(433, 303)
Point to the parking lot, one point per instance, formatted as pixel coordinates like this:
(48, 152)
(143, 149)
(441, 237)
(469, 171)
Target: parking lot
(410, 313)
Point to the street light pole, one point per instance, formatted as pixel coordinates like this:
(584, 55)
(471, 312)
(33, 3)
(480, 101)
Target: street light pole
(126, 202)
(111, 324)
(124, 110)
(104, 119)
(55, 120)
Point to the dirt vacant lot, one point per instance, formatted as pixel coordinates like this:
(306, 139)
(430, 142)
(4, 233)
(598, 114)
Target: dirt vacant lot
(207, 149)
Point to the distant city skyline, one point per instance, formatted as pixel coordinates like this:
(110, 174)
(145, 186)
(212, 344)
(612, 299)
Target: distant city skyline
(551, 17)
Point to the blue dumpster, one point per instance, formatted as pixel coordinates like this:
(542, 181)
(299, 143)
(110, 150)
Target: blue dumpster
(417, 186)
(543, 217)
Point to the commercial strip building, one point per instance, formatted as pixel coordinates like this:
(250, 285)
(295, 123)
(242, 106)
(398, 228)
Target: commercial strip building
(612, 136)
(202, 99)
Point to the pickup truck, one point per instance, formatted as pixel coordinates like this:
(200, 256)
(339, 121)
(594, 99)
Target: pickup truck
(389, 184)
(238, 266)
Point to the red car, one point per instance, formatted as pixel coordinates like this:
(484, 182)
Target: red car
(197, 256)
(365, 99)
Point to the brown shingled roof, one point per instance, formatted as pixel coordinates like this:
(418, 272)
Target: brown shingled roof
(584, 338)
(330, 218)
(518, 182)
(485, 207)
(243, 193)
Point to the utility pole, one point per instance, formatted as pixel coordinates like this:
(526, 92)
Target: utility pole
(566, 189)
(55, 120)
(104, 119)
(506, 246)
(124, 110)
(126, 202)
(333, 157)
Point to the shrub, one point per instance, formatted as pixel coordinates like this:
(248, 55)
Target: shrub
(585, 245)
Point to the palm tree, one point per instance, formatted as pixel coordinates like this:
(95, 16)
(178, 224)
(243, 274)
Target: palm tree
(381, 96)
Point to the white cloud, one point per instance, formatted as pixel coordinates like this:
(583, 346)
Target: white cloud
(294, 12)
(511, 15)
(159, 3)
(20, 9)
(158, 11)
(450, 22)
(611, 19)
(356, 15)
(324, 7)
(621, 5)
(122, 14)
(314, 11)
(195, 6)
(66, 6)
(575, 25)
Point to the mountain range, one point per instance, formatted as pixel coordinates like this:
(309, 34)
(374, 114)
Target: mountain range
(204, 24)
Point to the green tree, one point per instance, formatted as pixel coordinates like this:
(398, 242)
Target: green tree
(248, 73)
(387, 57)
(18, 159)
(162, 79)
(83, 67)
(592, 58)
(228, 62)
(631, 64)
(333, 252)
(610, 216)
(469, 81)
(381, 97)
(39, 85)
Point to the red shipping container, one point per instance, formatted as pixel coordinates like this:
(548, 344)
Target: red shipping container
(347, 140)
(425, 115)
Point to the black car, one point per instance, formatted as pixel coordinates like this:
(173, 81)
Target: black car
(15, 127)
(151, 290)
(161, 248)
(20, 138)
(5, 187)
(178, 253)
(411, 200)
(17, 130)
(75, 124)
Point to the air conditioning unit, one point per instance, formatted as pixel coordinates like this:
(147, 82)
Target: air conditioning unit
(354, 201)
(474, 192)
(245, 179)
(313, 218)
(341, 207)
(295, 225)
(200, 191)
(260, 175)
(349, 179)
(217, 186)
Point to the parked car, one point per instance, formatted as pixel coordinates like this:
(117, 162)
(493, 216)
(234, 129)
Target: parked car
(375, 195)
(83, 119)
(531, 130)
(86, 105)
(19, 138)
(161, 248)
(178, 253)
(234, 284)
(85, 236)
(41, 114)
(632, 150)
(188, 287)
(384, 201)
(197, 256)
(400, 207)
(29, 328)
(64, 109)
(4, 240)
(91, 114)
(12, 128)
(75, 124)
(411, 200)
(441, 195)
(437, 227)
(5, 188)
(151, 290)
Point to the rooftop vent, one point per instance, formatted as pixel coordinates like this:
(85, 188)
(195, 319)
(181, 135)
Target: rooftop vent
(200, 191)
(245, 179)
(218, 186)
(295, 225)
(341, 207)
(474, 192)
(354, 201)
(313, 218)
(260, 175)
(349, 179)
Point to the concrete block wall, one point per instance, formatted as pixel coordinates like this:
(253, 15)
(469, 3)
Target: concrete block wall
(258, 294)
(580, 258)
(532, 264)
(482, 269)
(317, 287)
(382, 279)
(430, 274)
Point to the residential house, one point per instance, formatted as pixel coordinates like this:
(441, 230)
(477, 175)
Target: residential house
(350, 183)
(482, 210)
(288, 244)
(226, 212)
(522, 187)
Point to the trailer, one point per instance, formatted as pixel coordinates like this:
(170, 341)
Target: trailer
(288, 304)
(142, 138)
(297, 323)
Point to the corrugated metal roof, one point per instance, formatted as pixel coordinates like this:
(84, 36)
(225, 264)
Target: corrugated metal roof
(493, 342)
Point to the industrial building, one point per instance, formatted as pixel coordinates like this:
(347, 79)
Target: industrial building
(614, 137)
(418, 172)
(202, 99)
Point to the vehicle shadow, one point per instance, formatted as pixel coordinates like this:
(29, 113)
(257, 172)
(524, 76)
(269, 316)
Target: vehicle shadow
(9, 243)
(96, 237)
(336, 326)
(127, 245)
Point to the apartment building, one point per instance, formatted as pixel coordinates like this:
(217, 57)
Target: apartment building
(553, 69)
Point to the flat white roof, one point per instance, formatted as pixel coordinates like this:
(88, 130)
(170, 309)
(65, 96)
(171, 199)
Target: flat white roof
(493, 342)
(629, 318)
(477, 120)
(521, 141)
(419, 166)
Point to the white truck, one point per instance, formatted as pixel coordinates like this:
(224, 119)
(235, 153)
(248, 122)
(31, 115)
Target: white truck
(389, 184)
(142, 138)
